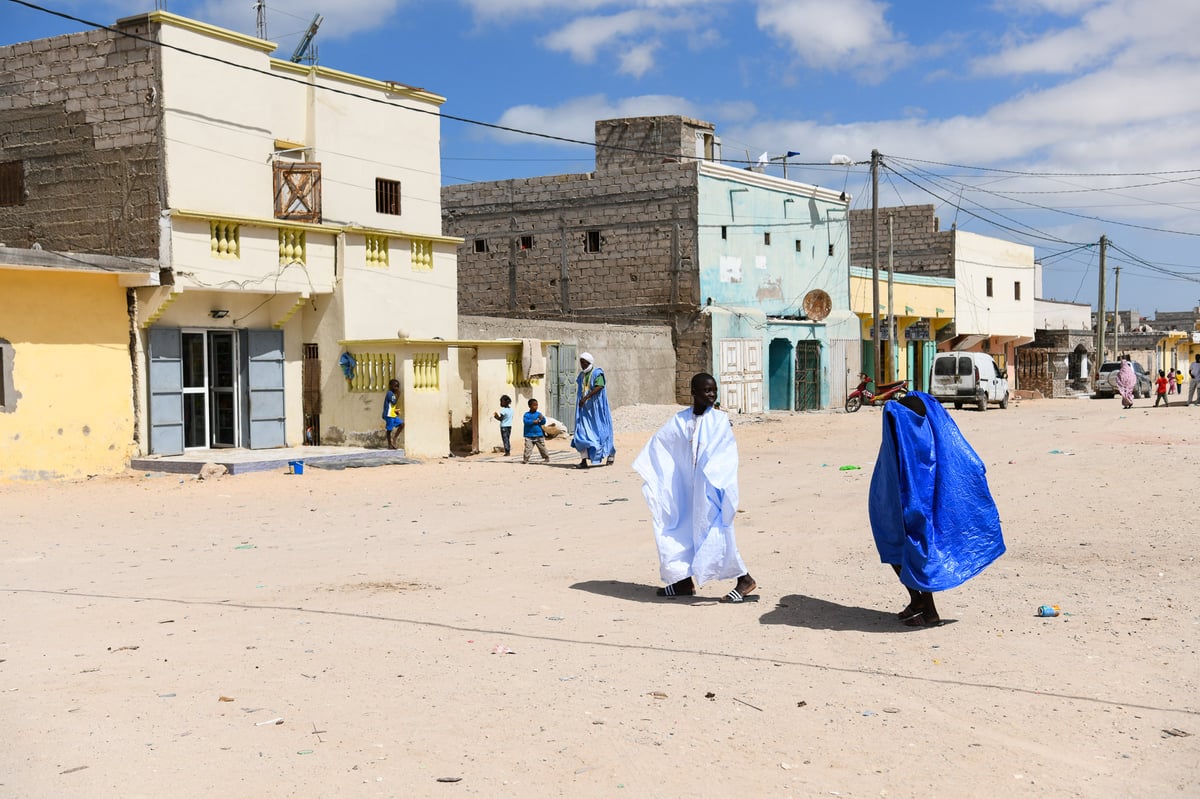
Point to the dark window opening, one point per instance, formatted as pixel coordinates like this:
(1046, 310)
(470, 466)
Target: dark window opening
(724, 232)
(989, 287)
(1017, 290)
(799, 246)
(527, 242)
(387, 196)
(767, 239)
(592, 242)
(831, 249)
(480, 245)
(12, 183)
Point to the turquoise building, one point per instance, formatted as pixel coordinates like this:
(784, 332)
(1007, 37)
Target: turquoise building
(775, 281)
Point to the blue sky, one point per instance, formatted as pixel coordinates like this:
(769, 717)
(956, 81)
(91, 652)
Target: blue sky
(1046, 122)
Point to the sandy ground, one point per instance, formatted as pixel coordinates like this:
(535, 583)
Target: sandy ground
(496, 624)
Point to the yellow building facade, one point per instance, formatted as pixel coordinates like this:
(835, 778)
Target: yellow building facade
(67, 408)
(921, 305)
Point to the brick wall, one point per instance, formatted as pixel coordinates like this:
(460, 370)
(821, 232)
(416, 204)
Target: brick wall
(646, 141)
(80, 113)
(645, 272)
(919, 247)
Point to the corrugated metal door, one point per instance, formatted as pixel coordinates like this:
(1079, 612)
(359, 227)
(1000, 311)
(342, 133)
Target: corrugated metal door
(562, 365)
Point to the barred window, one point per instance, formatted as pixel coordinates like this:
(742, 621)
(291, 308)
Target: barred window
(387, 196)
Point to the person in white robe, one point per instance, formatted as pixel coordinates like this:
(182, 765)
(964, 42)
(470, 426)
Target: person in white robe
(689, 469)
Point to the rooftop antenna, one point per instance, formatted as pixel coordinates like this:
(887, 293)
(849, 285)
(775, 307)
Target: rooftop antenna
(260, 25)
(306, 40)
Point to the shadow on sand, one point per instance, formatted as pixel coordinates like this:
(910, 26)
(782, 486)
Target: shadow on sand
(798, 610)
(638, 592)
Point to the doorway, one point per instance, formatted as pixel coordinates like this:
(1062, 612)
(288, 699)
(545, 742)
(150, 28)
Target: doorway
(779, 366)
(808, 376)
(210, 380)
(215, 388)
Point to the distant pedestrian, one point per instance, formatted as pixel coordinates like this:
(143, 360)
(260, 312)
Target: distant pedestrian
(1160, 389)
(392, 423)
(1127, 382)
(689, 468)
(1194, 385)
(593, 418)
(1179, 380)
(1171, 384)
(505, 417)
(535, 433)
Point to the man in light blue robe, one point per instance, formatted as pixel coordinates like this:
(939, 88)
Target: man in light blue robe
(931, 511)
(689, 468)
(593, 419)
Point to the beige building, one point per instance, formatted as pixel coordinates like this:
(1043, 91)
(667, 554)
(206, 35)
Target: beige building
(293, 212)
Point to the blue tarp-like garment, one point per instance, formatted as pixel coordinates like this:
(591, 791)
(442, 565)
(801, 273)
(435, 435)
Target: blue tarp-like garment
(931, 510)
(593, 422)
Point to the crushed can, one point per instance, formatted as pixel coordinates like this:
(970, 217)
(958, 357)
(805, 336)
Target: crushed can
(1047, 610)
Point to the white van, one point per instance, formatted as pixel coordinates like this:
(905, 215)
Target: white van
(968, 377)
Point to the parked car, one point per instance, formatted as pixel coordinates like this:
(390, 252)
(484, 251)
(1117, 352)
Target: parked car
(1106, 380)
(968, 377)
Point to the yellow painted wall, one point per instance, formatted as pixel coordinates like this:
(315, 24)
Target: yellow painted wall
(73, 413)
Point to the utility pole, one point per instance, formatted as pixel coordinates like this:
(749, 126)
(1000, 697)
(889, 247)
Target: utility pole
(1116, 309)
(875, 260)
(1100, 312)
(893, 345)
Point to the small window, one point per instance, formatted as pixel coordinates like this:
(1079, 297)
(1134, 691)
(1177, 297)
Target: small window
(480, 245)
(989, 287)
(767, 239)
(527, 242)
(724, 232)
(799, 246)
(12, 183)
(592, 242)
(831, 250)
(387, 196)
(1017, 290)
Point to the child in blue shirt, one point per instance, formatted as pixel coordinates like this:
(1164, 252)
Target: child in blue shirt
(392, 422)
(535, 436)
(505, 417)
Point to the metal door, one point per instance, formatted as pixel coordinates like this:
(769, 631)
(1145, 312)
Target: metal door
(222, 388)
(264, 418)
(562, 365)
(165, 379)
(808, 376)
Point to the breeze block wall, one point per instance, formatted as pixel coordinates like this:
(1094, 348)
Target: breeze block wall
(526, 249)
(919, 248)
(79, 116)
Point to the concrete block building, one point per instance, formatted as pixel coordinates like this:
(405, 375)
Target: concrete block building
(749, 272)
(287, 225)
(994, 280)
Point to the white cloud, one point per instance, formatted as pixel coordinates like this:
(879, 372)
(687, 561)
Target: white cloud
(584, 36)
(1145, 30)
(849, 34)
(639, 59)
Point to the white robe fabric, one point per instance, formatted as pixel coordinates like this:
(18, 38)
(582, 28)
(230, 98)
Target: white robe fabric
(690, 471)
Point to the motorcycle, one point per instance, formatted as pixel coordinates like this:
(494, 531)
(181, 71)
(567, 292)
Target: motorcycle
(863, 395)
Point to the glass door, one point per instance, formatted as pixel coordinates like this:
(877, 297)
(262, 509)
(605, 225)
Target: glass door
(222, 387)
(195, 389)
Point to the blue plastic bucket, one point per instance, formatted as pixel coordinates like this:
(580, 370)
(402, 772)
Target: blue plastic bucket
(295, 467)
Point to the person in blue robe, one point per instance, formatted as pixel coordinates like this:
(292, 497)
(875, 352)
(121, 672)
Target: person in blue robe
(593, 419)
(931, 511)
(689, 468)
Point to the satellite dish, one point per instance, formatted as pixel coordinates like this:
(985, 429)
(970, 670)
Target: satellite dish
(817, 304)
